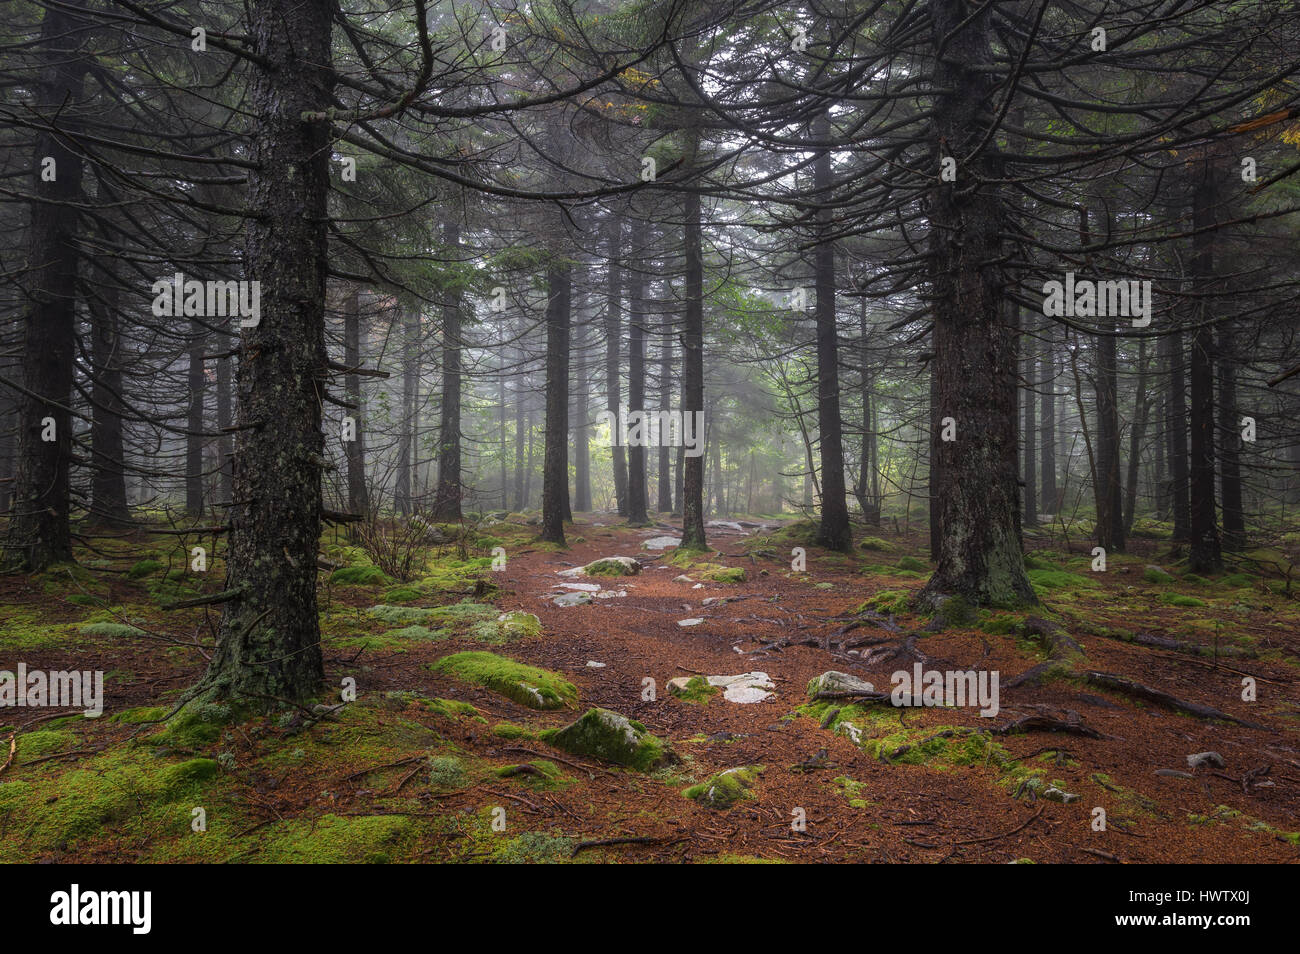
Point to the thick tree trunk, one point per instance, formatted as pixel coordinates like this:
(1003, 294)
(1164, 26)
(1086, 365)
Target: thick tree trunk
(39, 532)
(555, 467)
(979, 552)
(692, 493)
(269, 641)
(446, 503)
(225, 420)
(522, 426)
(833, 532)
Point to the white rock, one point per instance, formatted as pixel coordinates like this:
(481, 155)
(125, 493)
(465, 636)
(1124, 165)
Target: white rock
(592, 664)
(662, 543)
(689, 622)
(588, 587)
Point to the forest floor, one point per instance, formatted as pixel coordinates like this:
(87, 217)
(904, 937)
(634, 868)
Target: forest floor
(427, 765)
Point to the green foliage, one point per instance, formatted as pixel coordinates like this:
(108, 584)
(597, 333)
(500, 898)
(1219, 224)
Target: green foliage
(527, 685)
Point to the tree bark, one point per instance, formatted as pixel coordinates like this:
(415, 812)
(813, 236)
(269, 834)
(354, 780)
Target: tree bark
(108, 504)
(613, 336)
(692, 494)
(638, 504)
(355, 450)
(555, 466)
(39, 532)
(979, 548)
(269, 641)
(1204, 554)
(447, 497)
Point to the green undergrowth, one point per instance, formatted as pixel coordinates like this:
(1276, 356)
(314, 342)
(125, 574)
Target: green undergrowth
(526, 685)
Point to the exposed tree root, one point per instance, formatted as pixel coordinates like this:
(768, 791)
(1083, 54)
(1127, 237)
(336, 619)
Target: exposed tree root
(1148, 694)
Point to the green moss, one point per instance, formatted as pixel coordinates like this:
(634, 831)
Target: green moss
(359, 576)
(610, 737)
(913, 564)
(32, 745)
(610, 567)
(447, 773)
(508, 730)
(198, 725)
(1178, 599)
(450, 708)
(697, 690)
(721, 574)
(140, 714)
(507, 628)
(142, 569)
(416, 634)
(111, 630)
(877, 545)
(532, 848)
(402, 594)
(527, 685)
(335, 839)
(723, 790)
(891, 602)
(1237, 580)
(1154, 574)
(1051, 580)
(956, 611)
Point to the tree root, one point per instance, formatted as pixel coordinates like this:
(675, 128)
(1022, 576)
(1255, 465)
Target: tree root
(1136, 690)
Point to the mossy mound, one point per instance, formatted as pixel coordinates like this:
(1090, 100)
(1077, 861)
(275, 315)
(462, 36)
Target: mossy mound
(715, 573)
(1153, 574)
(526, 685)
(726, 788)
(507, 628)
(198, 725)
(359, 576)
(696, 689)
(610, 737)
(912, 564)
(892, 602)
(876, 544)
(1178, 599)
(142, 569)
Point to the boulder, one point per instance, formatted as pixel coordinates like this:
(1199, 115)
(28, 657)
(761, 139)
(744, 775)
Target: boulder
(833, 683)
(610, 737)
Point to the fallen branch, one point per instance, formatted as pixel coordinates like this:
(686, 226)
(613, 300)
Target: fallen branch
(1138, 691)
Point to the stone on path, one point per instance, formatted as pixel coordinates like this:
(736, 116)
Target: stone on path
(744, 689)
(610, 737)
(662, 543)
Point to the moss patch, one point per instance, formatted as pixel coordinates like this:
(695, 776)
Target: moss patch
(723, 790)
(527, 685)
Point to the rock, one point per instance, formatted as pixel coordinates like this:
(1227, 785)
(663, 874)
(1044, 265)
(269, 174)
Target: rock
(694, 621)
(1054, 794)
(613, 566)
(592, 664)
(698, 586)
(588, 587)
(1205, 758)
(682, 579)
(725, 525)
(744, 689)
(851, 730)
(572, 599)
(833, 682)
(726, 788)
(1174, 773)
(609, 594)
(662, 543)
(610, 737)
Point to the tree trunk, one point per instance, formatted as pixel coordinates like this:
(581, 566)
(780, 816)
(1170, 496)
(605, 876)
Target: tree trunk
(1141, 407)
(581, 432)
(39, 532)
(1176, 432)
(269, 641)
(1047, 423)
(108, 506)
(637, 502)
(692, 493)
(355, 450)
(613, 335)
(555, 466)
(833, 533)
(663, 470)
(194, 423)
(1204, 555)
(446, 505)
(1029, 438)
(404, 489)
(1234, 517)
(979, 553)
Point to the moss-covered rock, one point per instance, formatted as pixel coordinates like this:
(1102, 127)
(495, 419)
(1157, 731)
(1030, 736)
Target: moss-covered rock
(913, 564)
(507, 628)
(695, 689)
(111, 630)
(726, 788)
(610, 737)
(1153, 574)
(612, 566)
(527, 685)
(877, 545)
(720, 574)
